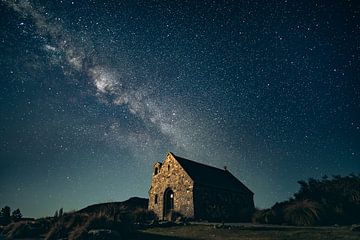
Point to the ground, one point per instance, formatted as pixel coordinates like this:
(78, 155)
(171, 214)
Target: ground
(209, 232)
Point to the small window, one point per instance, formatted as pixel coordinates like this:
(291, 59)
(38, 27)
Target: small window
(168, 167)
(156, 199)
(156, 171)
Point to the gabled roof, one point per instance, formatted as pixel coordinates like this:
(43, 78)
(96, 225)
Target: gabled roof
(210, 176)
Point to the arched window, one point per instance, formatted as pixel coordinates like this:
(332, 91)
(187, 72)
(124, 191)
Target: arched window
(169, 167)
(156, 171)
(156, 199)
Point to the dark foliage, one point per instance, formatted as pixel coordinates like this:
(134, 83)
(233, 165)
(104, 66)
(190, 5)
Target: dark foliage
(23, 229)
(83, 225)
(107, 221)
(302, 213)
(56, 214)
(61, 212)
(16, 215)
(5, 217)
(339, 198)
(65, 225)
(318, 202)
(140, 215)
(111, 219)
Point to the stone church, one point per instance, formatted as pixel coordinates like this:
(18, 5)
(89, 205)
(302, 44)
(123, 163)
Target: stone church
(198, 191)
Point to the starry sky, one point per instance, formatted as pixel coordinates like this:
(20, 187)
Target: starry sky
(93, 93)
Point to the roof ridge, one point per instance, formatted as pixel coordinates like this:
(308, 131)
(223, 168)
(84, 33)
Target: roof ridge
(176, 157)
(210, 175)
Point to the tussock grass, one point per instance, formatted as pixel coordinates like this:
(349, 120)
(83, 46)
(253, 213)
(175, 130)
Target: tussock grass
(302, 213)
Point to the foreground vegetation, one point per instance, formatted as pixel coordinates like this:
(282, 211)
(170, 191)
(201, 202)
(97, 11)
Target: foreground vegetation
(102, 228)
(332, 202)
(109, 220)
(318, 202)
(249, 232)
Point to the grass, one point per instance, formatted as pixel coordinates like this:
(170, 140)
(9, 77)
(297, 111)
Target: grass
(190, 232)
(207, 232)
(302, 213)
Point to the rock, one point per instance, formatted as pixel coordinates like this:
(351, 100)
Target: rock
(179, 219)
(219, 226)
(355, 228)
(166, 224)
(103, 234)
(154, 223)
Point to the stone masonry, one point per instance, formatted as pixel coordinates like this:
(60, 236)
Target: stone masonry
(197, 191)
(170, 174)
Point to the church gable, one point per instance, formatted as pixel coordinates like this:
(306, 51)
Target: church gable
(171, 189)
(197, 191)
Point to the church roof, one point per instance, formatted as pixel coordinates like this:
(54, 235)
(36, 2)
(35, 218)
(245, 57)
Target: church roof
(210, 176)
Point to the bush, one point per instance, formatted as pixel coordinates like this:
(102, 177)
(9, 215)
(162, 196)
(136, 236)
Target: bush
(139, 215)
(5, 218)
(338, 197)
(78, 225)
(302, 213)
(22, 229)
(266, 216)
(257, 216)
(326, 202)
(178, 217)
(66, 224)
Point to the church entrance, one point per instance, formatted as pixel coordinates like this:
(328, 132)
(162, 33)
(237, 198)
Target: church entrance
(168, 204)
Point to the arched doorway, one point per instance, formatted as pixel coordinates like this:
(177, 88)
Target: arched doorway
(168, 203)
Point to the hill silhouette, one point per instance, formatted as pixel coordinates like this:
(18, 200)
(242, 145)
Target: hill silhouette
(112, 220)
(128, 205)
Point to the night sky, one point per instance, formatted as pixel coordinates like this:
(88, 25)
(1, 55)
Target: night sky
(94, 92)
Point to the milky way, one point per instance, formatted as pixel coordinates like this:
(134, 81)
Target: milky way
(94, 92)
(110, 86)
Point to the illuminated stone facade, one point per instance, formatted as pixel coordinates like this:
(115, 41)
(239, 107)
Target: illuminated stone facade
(197, 191)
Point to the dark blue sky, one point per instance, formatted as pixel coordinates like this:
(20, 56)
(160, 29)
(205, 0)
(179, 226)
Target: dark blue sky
(94, 92)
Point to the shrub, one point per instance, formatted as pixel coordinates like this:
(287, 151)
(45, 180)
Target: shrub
(257, 216)
(78, 225)
(177, 217)
(5, 218)
(302, 213)
(67, 223)
(22, 229)
(139, 215)
(266, 216)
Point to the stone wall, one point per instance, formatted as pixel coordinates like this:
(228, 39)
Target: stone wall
(170, 174)
(222, 205)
